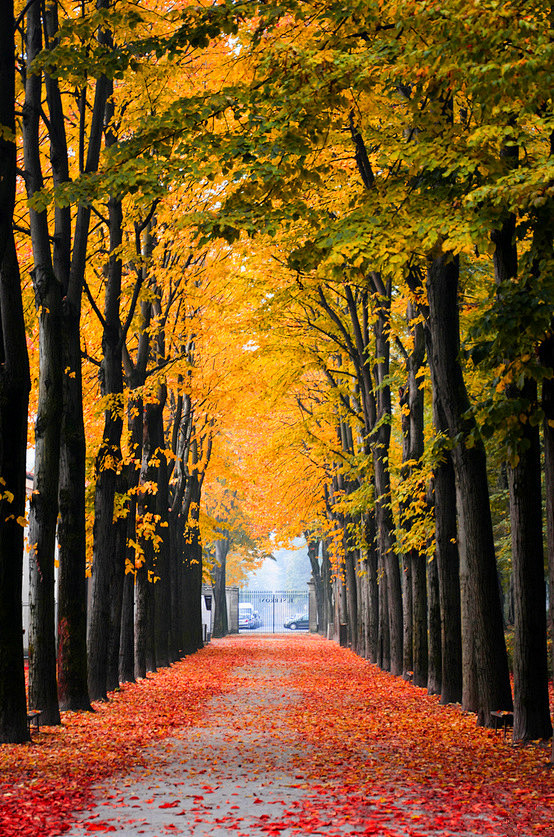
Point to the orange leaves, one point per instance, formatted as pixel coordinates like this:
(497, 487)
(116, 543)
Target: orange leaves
(364, 753)
(44, 782)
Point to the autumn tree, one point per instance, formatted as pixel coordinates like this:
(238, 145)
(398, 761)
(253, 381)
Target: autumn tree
(14, 397)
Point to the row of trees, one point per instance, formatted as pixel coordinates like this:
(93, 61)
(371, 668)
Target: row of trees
(124, 417)
(407, 173)
(371, 195)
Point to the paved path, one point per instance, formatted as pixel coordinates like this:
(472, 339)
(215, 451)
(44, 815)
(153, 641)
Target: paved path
(224, 776)
(309, 739)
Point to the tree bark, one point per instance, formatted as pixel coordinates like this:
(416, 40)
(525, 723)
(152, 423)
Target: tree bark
(127, 637)
(446, 542)
(107, 468)
(419, 596)
(326, 576)
(43, 511)
(220, 626)
(14, 398)
(448, 567)
(408, 616)
(72, 589)
(380, 441)
(434, 653)
(313, 550)
(475, 525)
(162, 587)
(371, 561)
(117, 581)
(531, 706)
(15, 384)
(547, 358)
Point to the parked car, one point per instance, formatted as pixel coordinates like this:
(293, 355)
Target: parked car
(248, 617)
(300, 622)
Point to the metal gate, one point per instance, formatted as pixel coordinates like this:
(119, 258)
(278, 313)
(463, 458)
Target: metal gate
(279, 612)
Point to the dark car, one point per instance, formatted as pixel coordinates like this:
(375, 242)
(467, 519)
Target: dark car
(300, 622)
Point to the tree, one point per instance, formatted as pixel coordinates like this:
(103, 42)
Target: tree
(14, 397)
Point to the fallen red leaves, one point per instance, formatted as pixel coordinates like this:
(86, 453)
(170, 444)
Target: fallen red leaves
(44, 782)
(381, 757)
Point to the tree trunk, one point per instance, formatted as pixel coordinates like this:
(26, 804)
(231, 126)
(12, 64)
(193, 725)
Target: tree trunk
(371, 560)
(15, 384)
(107, 468)
(127, 637)
(383, 644)
(446, 545)
(72, 582)
(141, 619)
(419, 597)
(220, 626)
(43, 511)
(448, 567)
(531, 707)
(326, 575)
(434, 668)
(380, 444)
(408, 616)
(14, 398)
(475, 525)
(313, 550)
(117, 581)
(415, 602)
(192, 564)
(351, 598)
(161, 587)
(547, 358)
(145, 659)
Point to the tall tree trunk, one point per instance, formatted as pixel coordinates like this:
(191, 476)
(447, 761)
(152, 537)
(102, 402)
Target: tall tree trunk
(408, 616)
(434, 668)
(547, 357)
(72, 590)
(313, 550)
(220, 626)
(127, 636)
(15, 384)
(371, 560)
(326, 575)
(117, 581)
(141, 618)
(192, 565)
(14, 398)
(531, 707)
(419, 597)
(475, 525)
(107, 467)
(162, 587)
(383, 648)
(411, 404)
(363, 610)
(448, 568)
(72, 581)
(380, 443)
(145, 659)
(351, 596)
(43, 511)
(446, 545)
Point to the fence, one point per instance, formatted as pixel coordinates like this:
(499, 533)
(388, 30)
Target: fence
(280, 611)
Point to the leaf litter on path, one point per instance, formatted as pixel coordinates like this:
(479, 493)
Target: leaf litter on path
(273, 736)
